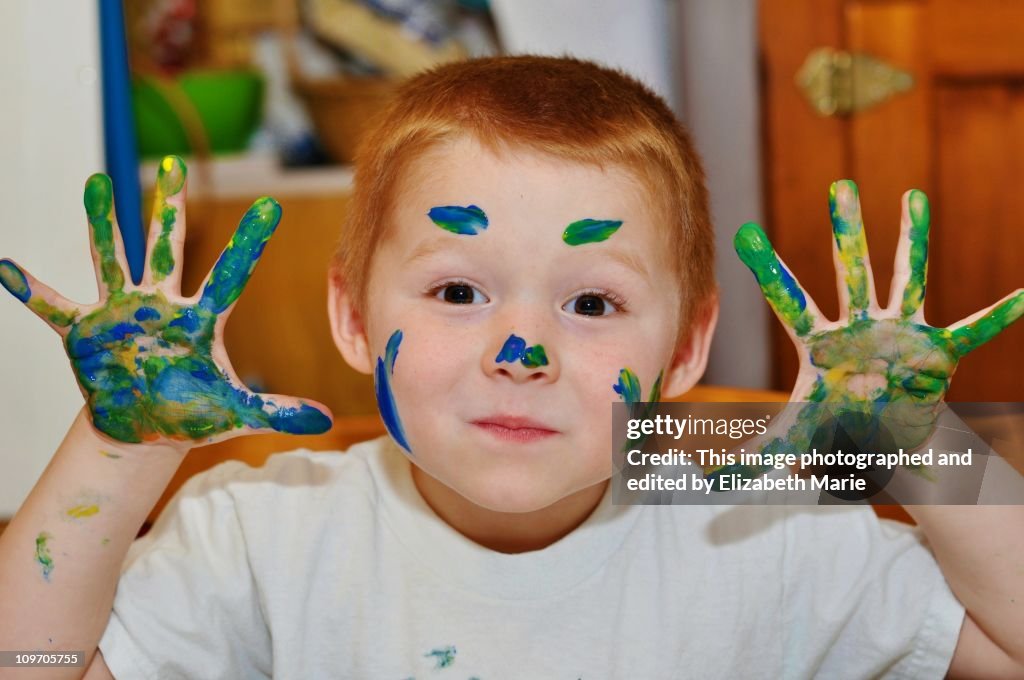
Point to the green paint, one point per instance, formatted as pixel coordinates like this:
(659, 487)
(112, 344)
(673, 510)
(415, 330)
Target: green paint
(105, 541)
(43, 553)
(58, 317)
(109, 455)
(170, 181)
(628, 386)
(913, 294)
(14, 280)
(239, 258)
(443, 656)
(777, 284)
(851, 243)
(534, 357)
(99, 205)
(146, 368)
(977, 333)
(590, 231)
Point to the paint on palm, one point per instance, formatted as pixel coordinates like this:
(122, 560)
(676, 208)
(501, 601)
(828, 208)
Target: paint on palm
(465, 220)
(385, 394)
(590, 231)
(145, 363)
(515, 349)
(869, 366)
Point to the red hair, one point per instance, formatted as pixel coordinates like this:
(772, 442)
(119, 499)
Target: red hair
(571, 109)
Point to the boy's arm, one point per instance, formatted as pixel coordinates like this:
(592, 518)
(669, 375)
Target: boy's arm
(877, 361)
(156, 378)
(982, 557)
(58, 572)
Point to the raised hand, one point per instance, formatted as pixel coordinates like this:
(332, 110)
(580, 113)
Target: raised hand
(151, 364)
(872, 358)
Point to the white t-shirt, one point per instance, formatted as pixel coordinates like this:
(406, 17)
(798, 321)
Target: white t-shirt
(329, 565)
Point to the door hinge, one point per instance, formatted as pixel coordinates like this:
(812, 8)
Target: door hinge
(838, 83)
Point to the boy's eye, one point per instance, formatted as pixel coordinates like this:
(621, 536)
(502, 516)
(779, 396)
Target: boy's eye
(590, 304)
(460, 294)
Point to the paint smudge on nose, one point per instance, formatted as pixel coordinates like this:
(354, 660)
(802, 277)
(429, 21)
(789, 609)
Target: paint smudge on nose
(468, 221)
(512, 350)
(590, 231)
(443, 656)
(12, 278)
(42, 555)
(515, 349)
(385, 395)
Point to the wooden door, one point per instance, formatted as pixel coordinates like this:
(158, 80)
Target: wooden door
(958, 135)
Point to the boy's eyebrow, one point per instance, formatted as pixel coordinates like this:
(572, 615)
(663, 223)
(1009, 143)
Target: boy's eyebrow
(626, 258)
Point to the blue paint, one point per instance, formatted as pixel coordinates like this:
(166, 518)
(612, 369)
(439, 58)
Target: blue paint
(443, 656)
(515, 349)
(628, 387)
(187, 319)
(146, 314)
(236, 263)
(468, 221)
(512, 350)
(13, 279)
(792, 288)
(385, 396)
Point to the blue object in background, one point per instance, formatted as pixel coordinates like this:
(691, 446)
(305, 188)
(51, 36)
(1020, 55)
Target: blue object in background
(119, 134)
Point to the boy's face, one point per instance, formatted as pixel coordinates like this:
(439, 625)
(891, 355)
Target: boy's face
(520, 434)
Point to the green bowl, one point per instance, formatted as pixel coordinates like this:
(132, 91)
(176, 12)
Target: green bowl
(228, 105)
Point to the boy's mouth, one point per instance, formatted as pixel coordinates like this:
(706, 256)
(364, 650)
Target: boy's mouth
(514, 428)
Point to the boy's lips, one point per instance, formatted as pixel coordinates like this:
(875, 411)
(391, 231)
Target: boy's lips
(514, 428)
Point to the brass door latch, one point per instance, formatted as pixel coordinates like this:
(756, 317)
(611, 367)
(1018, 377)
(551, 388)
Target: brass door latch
(838, 83)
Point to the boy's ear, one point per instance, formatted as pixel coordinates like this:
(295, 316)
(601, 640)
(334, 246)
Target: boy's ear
(691, 354)
(347, 327)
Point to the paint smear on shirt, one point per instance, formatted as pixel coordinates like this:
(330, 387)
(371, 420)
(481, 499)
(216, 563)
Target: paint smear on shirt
(443, 656)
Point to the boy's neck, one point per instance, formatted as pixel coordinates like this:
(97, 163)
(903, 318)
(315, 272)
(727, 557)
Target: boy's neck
(508, 532)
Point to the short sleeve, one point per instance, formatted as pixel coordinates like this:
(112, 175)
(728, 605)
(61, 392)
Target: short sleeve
(187, 605)
(867, 597)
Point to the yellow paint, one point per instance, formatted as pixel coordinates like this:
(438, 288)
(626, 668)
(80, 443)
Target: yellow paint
(80, 511)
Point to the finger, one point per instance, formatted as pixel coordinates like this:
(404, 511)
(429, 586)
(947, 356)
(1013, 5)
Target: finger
(167, 226)
(48, 305)
(850, 250)
(296, 416)
(977, 329)
(778, 285)
(236, 263)
(911, 267)
(107, 249)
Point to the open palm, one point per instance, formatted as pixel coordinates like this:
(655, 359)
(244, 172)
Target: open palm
(872, 361)
(151, 363)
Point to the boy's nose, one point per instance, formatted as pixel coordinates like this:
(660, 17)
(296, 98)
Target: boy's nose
(519, 359)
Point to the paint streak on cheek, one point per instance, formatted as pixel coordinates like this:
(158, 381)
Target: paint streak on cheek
(466, 221)
(383, 375)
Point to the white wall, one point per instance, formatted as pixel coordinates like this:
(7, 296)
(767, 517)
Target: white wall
(718, 63)
(51, 137)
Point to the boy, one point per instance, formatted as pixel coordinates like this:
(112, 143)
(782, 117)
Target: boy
(524, 231)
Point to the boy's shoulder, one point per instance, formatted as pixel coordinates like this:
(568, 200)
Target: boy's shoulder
(298, 481)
